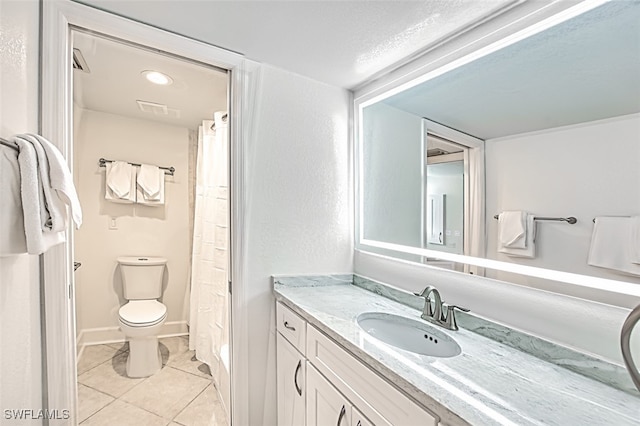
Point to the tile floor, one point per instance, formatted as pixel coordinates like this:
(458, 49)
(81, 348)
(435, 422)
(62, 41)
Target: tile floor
(182, 393)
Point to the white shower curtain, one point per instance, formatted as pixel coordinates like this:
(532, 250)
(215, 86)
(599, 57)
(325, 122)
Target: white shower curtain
(208, 332)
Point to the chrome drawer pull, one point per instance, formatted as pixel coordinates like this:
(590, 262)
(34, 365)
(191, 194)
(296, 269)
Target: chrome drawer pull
(342, 413)
(295, 378)
(290, 327)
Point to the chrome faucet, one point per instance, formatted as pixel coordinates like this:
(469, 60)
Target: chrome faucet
(429, 312)
(434, 313)
(625, 341)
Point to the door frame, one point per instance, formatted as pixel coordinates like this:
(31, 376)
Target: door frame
(59, 17)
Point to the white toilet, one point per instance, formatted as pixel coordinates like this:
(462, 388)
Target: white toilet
(141, 318)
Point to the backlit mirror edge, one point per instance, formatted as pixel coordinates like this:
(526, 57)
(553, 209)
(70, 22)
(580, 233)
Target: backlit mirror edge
(362, 100)
(370, 94)
(596, 283)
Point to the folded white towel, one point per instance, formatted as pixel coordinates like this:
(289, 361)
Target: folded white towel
(130, 196)
(12, 236)
(609, 245)
(512, 229)
(530, 242)
(634, 239)
(119, 179)
(142, 199)
(61, 179)
(53, 216)
(149, 179)
(33, 200)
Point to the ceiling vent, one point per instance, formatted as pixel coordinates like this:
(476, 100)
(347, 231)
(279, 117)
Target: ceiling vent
(158, 109)
(153, 108)
(79, 63)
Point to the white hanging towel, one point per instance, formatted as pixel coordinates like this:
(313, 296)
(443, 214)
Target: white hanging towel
(144, 200)
(118, 178)
(634, 239)
(512, 229)
(609, 245)
(33, 200)
(529, 241)
(123, 175)
(53, 216)
(149, 181)
(12, 236)
(61, 179)
(40, 179)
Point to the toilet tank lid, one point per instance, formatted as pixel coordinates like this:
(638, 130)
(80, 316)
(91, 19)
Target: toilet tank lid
(141, 260)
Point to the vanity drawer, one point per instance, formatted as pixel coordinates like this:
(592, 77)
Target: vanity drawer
(291, 326)
(375, 398)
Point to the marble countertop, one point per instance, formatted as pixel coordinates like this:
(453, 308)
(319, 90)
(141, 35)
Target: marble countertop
(489, 383)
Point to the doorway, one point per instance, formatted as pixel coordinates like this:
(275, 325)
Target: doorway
(134, 108)
(452, 195)
(58, 287)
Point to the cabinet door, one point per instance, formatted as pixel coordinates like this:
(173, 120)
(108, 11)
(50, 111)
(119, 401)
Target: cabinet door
(325, 405)
(381, 402)
(291, 373)
(358, 419)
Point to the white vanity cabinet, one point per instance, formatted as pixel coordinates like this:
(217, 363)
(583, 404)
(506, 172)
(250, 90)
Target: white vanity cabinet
(333, 388)
(291, 367)
(374, 397)
(358, 419)
(325, 405)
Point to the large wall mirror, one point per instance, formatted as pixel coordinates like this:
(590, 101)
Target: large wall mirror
(548, 126)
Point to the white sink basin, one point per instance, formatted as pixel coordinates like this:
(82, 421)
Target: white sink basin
(408, 334)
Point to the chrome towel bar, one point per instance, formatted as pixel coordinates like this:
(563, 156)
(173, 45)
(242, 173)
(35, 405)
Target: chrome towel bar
(5, 142)
(168, 170)
(571, 220)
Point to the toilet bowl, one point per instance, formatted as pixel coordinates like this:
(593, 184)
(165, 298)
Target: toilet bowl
(142, 317)
(141, 322)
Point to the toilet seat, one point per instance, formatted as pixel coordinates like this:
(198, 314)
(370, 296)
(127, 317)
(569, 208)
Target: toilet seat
(142, 313)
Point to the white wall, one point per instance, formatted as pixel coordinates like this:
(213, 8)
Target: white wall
(141, 230)
(300, 207)
(20, 345)
(585, 170)
(393, 158)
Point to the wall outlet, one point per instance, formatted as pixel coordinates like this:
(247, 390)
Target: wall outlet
(113, 224)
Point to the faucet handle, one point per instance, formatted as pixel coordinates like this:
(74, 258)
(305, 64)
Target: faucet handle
(449, 315)
(460, 308)
(428, 309)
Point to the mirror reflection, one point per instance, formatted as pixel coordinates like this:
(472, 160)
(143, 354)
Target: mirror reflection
(558, 119)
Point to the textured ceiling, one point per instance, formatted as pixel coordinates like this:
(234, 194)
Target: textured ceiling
(339, 42)
(115, 83)
(584, 69)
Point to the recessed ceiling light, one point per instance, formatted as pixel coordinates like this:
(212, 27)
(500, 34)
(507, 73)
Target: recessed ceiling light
(157, 77)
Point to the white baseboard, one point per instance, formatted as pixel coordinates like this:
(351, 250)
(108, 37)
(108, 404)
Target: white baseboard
(104, 335)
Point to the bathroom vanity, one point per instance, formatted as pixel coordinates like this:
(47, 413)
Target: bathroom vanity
(330, 371)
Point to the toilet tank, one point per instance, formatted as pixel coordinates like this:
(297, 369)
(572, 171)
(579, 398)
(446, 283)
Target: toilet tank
(142, 276)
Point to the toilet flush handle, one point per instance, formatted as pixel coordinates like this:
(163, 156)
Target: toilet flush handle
(76, 265)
